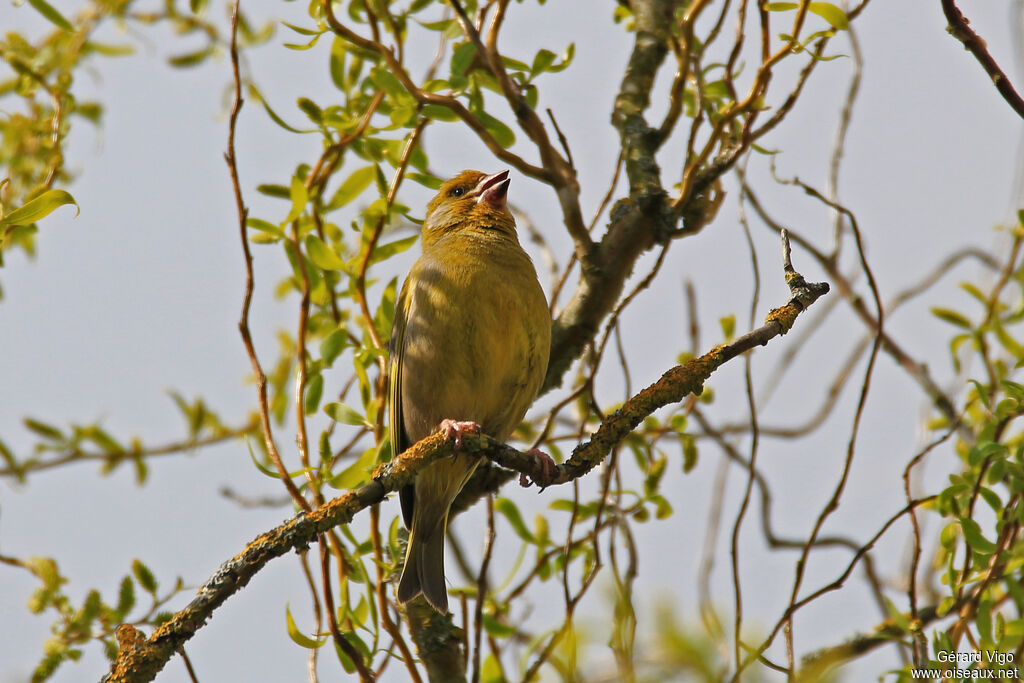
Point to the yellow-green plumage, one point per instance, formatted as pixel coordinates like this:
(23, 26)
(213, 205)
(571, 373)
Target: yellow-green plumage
(470, 343)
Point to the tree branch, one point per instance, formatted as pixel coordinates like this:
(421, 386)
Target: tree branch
(637, 222)
(959, 27)
(110, 459)
(815, 664)
(142, 660)
(243, 321)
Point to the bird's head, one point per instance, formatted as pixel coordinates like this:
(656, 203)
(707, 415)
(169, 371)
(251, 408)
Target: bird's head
(471, 200)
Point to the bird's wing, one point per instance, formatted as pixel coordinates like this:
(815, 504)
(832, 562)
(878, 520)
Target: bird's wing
(399, 439)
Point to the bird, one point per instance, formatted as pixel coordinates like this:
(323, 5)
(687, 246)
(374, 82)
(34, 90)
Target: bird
(469, 351)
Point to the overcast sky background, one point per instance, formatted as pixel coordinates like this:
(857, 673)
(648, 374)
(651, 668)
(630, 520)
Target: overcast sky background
(140, 294)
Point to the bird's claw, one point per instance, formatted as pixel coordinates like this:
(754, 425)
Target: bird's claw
(548, 470)
(454, 429)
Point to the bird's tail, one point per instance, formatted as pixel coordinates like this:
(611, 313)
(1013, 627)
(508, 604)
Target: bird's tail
(424, 564)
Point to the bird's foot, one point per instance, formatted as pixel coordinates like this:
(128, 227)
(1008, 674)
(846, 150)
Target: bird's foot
(548, 470)
(454, 429)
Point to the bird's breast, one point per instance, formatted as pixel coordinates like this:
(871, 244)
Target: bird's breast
(476, 341)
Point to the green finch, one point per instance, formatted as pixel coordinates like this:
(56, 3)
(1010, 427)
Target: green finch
(469, 351)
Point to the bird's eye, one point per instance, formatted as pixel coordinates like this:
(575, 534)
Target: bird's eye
(457, 191)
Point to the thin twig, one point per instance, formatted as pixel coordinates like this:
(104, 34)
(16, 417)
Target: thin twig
(481, 590)
(734, 539)
(959, 28)
(113, 457)
(243, 323)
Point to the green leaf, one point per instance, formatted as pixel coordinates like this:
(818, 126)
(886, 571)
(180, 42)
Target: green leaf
(297, 636)
(273, 115)
(190, 59)
(582, 511)
(972, 532)
(496, 628)
(353, 186)
(952, 317)
(103, 440)
(507, 508)
(299, 195)
(403, 116)
(503, 135)
(1008, 342)
(541, 61)
(992, 498)
(983, 450)
(831, 14)
(826, 10)
(662, 508)
(356, 474)
(346, 662)
(314, 391)
(386, 251)
(141, 470)
(516, 65)
(44, 430)
(339, 412)
(728, 324)
(897, 615)
(259, 466)
(353, 639)
(716, 90)
(1015, 627)
(945, 605)
(544, 61)
(384, 318)
(974, 292)
(1013, 390)
(432, 182)
(338, 64)
(532, 95)
(274, 190)
(983, 620)
(38, 208)
(332, 346)
(387, 82)
(268, 232)
(144, 576)
(542, 533)
(322, 255)
(358, 644)
(125, 597)
(450, 27)
(12, 463)
(949, 535)
(302, 31)
(982, 391)
(439, 113)
(462, 57)
(567, 56)
(689, 443)
(51, 14)
(311, 110)
(490, 672)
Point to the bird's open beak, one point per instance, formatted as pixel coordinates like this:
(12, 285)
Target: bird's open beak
(493, 189)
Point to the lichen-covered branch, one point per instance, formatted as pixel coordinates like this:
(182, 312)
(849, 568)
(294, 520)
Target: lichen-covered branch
(142, 660)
